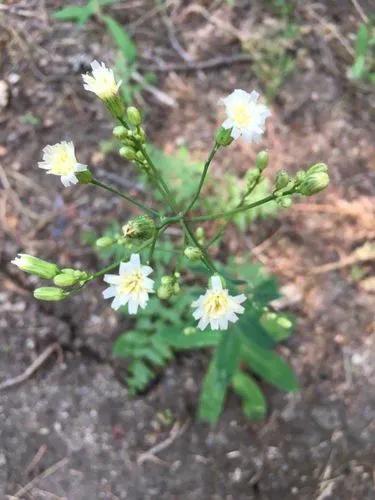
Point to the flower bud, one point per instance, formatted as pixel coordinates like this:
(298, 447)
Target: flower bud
(120, 132)
(141, 227)
(38, 267)
(284, 201)
(176, 288)
(189, 330)
(128, 153)
(314, 183)
(65, 280)
(50, 293)
(134, 116)
(104, 242)
(167, 280)
(282, 179)
(84, 177)
(261, 160)
(199, 232)
(317, 168)
(193, 253)
(252, 176)
(223, 136)
(300, 176)
(164, 292)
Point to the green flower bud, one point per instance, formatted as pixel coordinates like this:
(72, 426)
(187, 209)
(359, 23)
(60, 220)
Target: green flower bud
(114, 105)
(120, 132)
(35, 266)
(128, 153)
(141, 227)
(252, 176)
(317, 168)
(65, 280)
(167, 280)
(140, 156)
(104, 241)
(68, 270)
(128, 141)
(164, 292)
(199, 232)
(223, 136)
(50, 293)
(134, 116)
(282, 179)
(314, 183)
(176, 288)
(284, 202)
(189, 330)
(261, 160)
(193, 253)
(300, 176)
(84, 177)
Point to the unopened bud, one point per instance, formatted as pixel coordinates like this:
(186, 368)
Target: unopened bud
(104, 241)
(128, 153)
(223, 136)
(284, 201)
(193, 253)
(317, 168)
(84, 177)
(167, 280)
(164, 292)
(300, 176)
(189, 330)
(134, 116)
(141, 227)
(199, 232)
(252, 176)
(50, 293)
(314, 183)
(65, 280)
(38, 267)
(120, 132)
(261, 160)
(282, 179)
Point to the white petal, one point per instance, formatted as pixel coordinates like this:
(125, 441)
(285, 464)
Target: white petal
(133, 305)
(203, 323)
(146, 270)
(214, 324)
(228, 123)
(109, 292)
(80, 167)
(216, 282)
(198, 313)
(135, 260)
(113, 279)
(239, 298)
(236, 132)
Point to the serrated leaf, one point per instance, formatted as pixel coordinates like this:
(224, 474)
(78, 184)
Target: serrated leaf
(140, 376)
(220, 372)
(125, 343)
(269, 366)
(121, 38)
(254, 404)
(74, 13)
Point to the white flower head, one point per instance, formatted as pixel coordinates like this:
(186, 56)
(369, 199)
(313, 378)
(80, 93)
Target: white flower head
(131, 286)
(60, 159)
(101, 81)
(216, 307)
(245, 116)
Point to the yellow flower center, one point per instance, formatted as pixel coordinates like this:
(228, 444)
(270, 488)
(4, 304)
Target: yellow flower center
(241, 114)
(216, 304)
(62, 163)
(132, 283)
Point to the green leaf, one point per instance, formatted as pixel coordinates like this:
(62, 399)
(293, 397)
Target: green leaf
(181, 341)
(254, 404)
(362, 41)
(278, 326)
(140, 376)
(252, 329)
(74, 13)
(220, 372)
(269, 366)
(126, 342)
(121, 38)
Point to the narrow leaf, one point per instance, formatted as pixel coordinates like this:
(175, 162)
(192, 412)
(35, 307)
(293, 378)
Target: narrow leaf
(197, 340)
(269, 366)
(121, 38)
(74, 13)
(218, 376)
(254, 404)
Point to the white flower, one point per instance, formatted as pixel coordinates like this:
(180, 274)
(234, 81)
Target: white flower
(102, 81)
(245, 116)
(131, 286)
(216, 307)
(60, 159)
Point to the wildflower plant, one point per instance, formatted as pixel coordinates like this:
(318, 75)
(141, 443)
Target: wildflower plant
(232, 314)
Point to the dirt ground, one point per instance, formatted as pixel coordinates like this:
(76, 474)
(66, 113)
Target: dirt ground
(71, 431)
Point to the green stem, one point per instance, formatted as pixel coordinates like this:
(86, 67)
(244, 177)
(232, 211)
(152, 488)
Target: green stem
(203, 176)
(206, 259)
(150, 211)
(235, 211)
